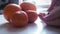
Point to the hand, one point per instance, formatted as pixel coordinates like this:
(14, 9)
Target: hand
(53, 18)
(54, 22)
(41, 16)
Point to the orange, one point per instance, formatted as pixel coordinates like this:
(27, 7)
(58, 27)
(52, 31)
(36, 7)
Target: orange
(28, 6)
(19, 19)
(10, 9)
(32, 16)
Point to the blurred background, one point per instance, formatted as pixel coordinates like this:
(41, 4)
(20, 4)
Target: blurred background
(40, 4)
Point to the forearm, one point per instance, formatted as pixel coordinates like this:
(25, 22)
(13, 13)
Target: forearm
(51, 6)
(53, 14)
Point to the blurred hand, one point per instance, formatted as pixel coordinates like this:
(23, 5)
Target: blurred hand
(53, 18)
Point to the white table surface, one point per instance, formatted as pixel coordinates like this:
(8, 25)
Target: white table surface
(35, 28)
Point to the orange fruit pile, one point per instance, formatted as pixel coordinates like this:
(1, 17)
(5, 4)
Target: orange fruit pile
(20, 15)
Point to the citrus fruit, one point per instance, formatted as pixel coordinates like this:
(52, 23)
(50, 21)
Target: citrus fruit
(28, 6)
(32, 16)
(10, 9)
(19, 19)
